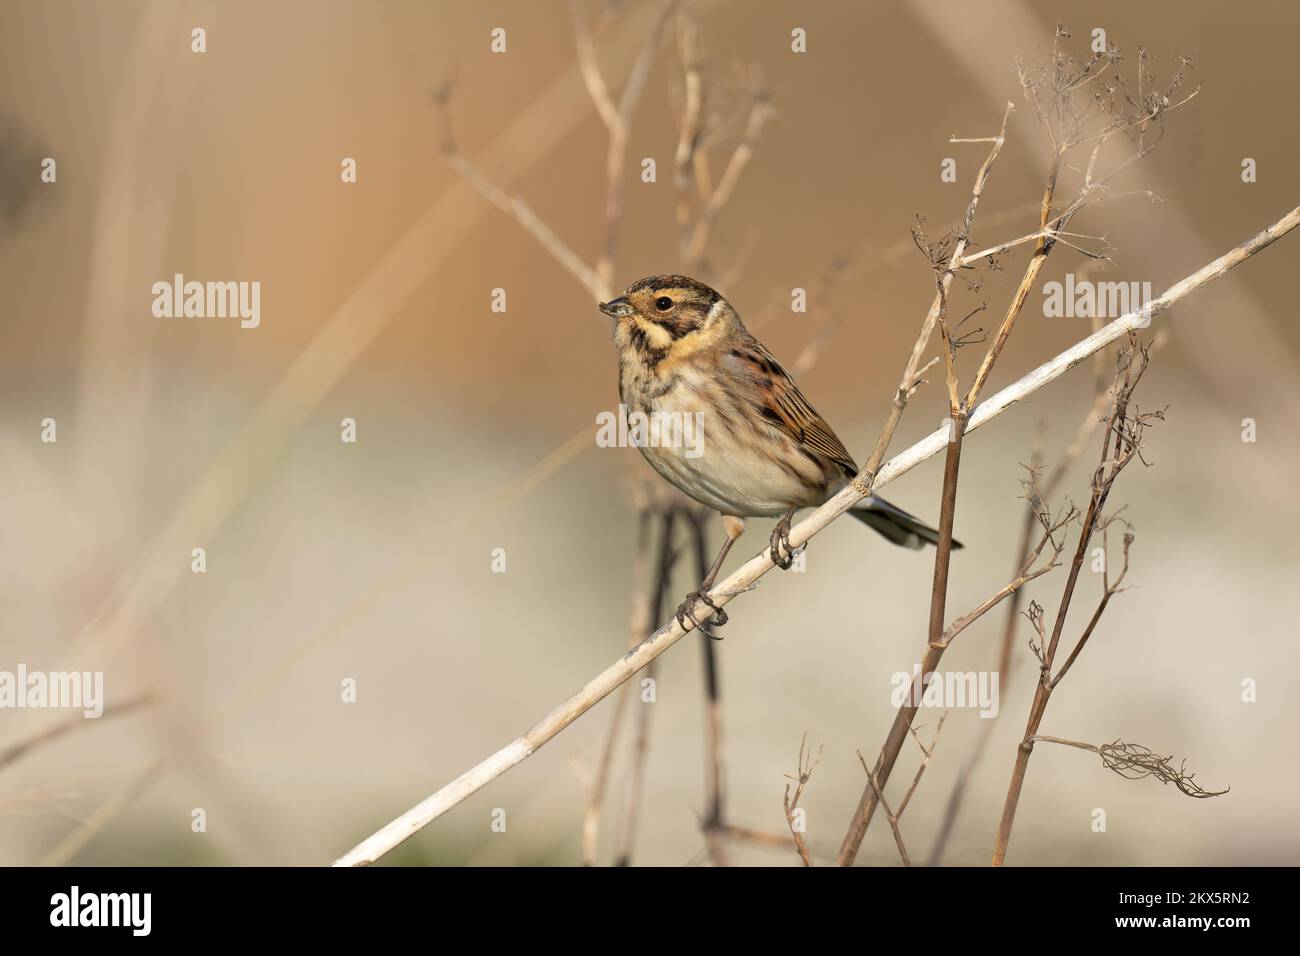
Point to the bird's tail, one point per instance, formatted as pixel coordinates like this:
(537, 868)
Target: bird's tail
(896, 524)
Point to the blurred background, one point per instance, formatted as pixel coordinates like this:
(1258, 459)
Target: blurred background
(372, 561)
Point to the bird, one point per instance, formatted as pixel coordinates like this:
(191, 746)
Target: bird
(765, 451)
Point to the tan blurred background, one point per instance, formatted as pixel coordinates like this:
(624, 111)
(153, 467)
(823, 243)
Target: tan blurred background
(329, 561)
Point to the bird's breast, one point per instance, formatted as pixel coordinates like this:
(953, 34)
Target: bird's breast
(707, 443)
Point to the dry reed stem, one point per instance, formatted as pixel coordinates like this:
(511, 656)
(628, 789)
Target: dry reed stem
(667, 558)
(714, 820)
(641, 623)
(1123, 428)
(16, 751)
(893, 816)
(807, 764)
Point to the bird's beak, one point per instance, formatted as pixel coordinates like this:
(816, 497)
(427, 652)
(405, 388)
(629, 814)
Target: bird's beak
(616, 308)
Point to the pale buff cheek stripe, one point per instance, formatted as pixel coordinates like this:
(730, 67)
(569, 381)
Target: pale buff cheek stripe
(656, 336)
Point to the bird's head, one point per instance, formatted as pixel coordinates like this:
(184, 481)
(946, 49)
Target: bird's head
(662, 310)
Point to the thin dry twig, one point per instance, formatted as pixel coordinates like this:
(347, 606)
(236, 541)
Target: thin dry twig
(16, 751)
(1051, 536)
(911, 379)
(618, 123)
(738, 833)
(713, 822)
(893, 816)
(807, 764)
(597, 279)
(664, 563)
(874, 781)
(511, 204)
(760, 111)
(642, 620)
(928, 755)
(1121, 445)
(690, 126)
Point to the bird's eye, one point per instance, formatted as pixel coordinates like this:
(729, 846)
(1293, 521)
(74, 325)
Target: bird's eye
(663, 303)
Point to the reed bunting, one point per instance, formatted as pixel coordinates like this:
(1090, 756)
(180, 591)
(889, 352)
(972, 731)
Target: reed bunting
(683, 350)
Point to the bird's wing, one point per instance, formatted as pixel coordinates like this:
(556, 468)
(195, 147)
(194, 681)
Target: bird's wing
(781, 403)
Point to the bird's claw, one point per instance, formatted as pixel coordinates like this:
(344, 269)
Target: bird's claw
(782, 553)
(687, 610)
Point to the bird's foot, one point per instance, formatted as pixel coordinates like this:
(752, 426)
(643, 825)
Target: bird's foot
(687, 610)
(781, 553)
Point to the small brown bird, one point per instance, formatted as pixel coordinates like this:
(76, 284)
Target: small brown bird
(684, 353)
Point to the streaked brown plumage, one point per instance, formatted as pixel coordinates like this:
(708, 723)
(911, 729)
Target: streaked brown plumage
(766, 451)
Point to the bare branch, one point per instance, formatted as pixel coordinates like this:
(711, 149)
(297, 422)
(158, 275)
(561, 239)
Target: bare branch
(928, 753)
(590, 69)
(760, 111)
(890, 815)
(514, 206)
(807, 764)
(1051, 535)
(16, 751)
(659, 590)
(642, 620)
(1120, 444)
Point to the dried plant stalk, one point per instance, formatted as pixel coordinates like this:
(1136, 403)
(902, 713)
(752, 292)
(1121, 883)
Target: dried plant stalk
(807, 764)
(642, 621)
(1121, 444)
(664, 563)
